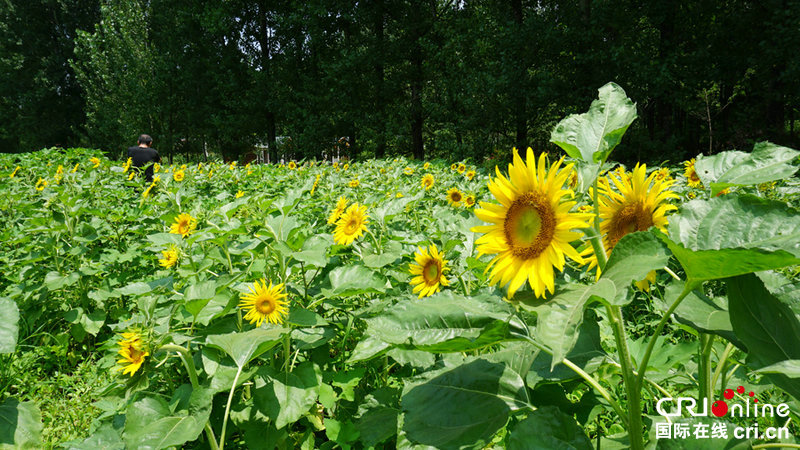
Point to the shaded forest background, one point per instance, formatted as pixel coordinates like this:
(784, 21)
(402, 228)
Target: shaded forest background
(424, 79)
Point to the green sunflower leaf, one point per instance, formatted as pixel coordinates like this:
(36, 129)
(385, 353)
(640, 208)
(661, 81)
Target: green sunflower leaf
(462, 405)
(768, 162)
(20, 425)
(9, 325)
(548, 427)
(245, 346)
(150, 422)
(592, 136)
(733, 235)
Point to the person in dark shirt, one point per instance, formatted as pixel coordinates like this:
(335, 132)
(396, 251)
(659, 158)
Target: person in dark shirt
(144, 156)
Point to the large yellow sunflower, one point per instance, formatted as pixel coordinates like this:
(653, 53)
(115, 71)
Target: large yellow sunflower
(691, 174)
(351, 225)
(427, 181)
(531, 229)
(341, 205)
(184, 225)
(428, 270)
(638, 203)
(454, 197)
(265, 303)
(132, 351)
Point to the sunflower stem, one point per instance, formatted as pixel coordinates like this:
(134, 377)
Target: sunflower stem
(596, 240)
(721, 364)
(228, 409)
(464, 286)
(580, 372)
(706, 345)
(646, 358)
(632, 387)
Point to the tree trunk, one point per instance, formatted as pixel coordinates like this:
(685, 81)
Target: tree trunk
(519, 91)
(380, 76)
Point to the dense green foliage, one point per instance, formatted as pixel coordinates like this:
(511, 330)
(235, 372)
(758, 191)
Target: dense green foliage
(454, 79)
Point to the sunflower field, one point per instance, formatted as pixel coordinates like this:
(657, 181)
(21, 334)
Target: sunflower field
(562, 301)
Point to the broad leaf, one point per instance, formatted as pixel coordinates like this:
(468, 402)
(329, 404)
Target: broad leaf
(150, 423)
(768, 328)
(733, 235)
(592, 136)
(790, 368)
(704, 314)
(377, 416)
(548, 427)
(767, 162)
(634, 256)
(352, 280)
(286, 397)
(245, 346)
(445, 322)
(20, 425)
(559, 318)
(462, 406)
(9, 325)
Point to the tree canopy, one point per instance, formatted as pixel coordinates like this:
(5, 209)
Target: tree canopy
(428, 78)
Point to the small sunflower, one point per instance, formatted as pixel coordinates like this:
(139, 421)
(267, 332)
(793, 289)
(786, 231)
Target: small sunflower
(663, 174)
(354, 183)
(408, 171)
(240, 194)
(292, 165)
(399, 195)
(157, 167)
(179, 175)
(170, 257)
(316, 183)
(454, 197)
(470, 174)
(346, 166)
(41, 184)
(461, 168)
(75, 169)
(692, 178)
(60, 170)
(427, 181)
(531, 229)
(132, 174)
(14, 172)
(426, 166)
(184, 225)
(147, 191)
(638, 203)
(572, 181)
(351, 225)
(132, 351)
(453, 166)
(265, 303)
(95, 161)
(428, 269)
(341, 205)
(469, 201)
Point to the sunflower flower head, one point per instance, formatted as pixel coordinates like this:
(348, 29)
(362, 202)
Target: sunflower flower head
(184, 225)
(454, 197)
(633, 203)
(692, 178)
(41, 184)
(132, 352)
(427, 181)
(351, 225)
(95, 162)
(240, 194)
(292, 165)
(316, 183)
(169, 257)
(354, 183)
(470, 174)
(341, 206)
(179, 175)
(530, 230)
(461, 168)
(75, 169)
(265, 303)
(428, 271)
(408, 171)
(426, 166)
(453, 166)
(469, 201)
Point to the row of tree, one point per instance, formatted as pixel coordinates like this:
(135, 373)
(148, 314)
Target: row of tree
(422, 78)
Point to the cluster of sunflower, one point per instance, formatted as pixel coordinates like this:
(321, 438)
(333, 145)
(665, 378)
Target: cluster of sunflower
(351, 221)
(531, 229)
